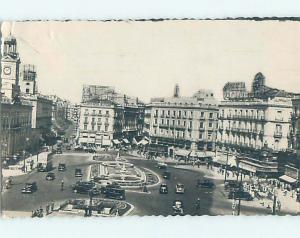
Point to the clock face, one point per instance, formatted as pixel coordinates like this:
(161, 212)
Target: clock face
(6, 70)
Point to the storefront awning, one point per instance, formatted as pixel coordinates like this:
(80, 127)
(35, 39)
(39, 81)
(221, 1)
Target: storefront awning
(134, 141)
(288, 179)
(183, 153)
(143, 142)
(126, 141)
(116, 142)
(247, 168)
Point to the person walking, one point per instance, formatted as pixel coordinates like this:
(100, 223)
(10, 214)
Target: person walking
(62, 184)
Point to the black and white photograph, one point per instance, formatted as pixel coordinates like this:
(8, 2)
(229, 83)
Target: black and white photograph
(149, 117)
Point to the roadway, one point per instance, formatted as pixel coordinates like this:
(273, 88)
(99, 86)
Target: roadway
(213, 201)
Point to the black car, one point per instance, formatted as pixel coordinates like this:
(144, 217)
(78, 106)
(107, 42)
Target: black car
(50, 176)
(243, 195)
(58, 151)
(109, 187)
(29, 188)
(115, 193)
(61, 167)
(166, 175)
(163, 189)
(78, 173)
(86, 188)
(68, 147)
(178, 207)
(206, 183)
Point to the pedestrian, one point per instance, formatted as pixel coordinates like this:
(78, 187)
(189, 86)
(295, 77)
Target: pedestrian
(62, 184)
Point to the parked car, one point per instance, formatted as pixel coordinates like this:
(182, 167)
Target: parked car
(206, 183)
(59, 151)
(61, 167)
(29, 188)
(78, 148)
(179, 188)
(166, 175)
(86, 188)
(78, 173)
(178, 207)
(243, 195)
(163, 189)
(162, 165)
(50, 176)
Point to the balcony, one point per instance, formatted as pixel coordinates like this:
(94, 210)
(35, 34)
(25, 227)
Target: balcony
(278, 134)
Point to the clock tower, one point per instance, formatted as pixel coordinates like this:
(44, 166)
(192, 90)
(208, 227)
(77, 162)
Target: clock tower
(10, 64)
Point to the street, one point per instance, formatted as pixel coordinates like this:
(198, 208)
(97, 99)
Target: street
(212, 201)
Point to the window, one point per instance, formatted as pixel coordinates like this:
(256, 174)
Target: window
(179, 113)
(201, 125)
(93, 120)
(173, 122)
(94, 112)
(210, 115)
(156, 112)
(155, 121)
(86, 120)
(168, 122)
(106, 128)
(162, 121)
(184, 123)
(27, 90)
(174, 113)
(86, 111)
(93, 127)
(168, 112)
(99, 112)
(278, 128)
(163, 113)
(191, 124)
(178, 122)
(210, 125)
(98, 128)
(27, 83)
(107, 112)
(200, 135)
(85, 127)
(99, 120)
(202, 114)
(184, 113)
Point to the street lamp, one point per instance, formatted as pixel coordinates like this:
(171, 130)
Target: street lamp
(274, 201)
(227, 152)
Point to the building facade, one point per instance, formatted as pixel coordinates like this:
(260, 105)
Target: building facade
(255, 123)
(16, 128)
(295, 126)
(107, 118)
(183, 122)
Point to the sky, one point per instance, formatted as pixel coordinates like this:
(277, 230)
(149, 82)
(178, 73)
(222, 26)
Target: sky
(146, 59)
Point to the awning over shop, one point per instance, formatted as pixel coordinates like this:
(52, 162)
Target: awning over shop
(246, 167)
(83, 140)
(134, 141)
(183, 153)
(222, 159)
(116, 142)
(288, 179)
(143, 142)
(126, 141)
(146, 138)
(193, 154)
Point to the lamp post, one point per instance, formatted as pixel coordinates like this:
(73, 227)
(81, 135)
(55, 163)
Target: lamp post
(274, 202)
(227, 152)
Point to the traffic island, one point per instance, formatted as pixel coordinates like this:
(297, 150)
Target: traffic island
(94, 208)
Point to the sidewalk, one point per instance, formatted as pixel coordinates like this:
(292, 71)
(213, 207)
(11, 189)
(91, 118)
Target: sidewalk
(16, 170)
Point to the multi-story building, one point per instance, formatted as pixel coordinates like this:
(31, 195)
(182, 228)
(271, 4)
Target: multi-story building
(15, 128)
(183, 122)
(41, 111)
(258, 120)
(295, 126)
(73, 113)
(107, 118)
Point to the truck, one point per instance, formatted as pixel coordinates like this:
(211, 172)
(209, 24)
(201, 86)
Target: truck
(44, 162)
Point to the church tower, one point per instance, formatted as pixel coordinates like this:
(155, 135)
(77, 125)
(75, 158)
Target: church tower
(10, 64)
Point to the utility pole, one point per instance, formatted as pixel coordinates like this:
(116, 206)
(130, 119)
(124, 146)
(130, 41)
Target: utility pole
(240, 190)
(225, 179)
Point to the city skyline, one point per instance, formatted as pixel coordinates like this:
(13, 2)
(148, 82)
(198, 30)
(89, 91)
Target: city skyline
(213, 52)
